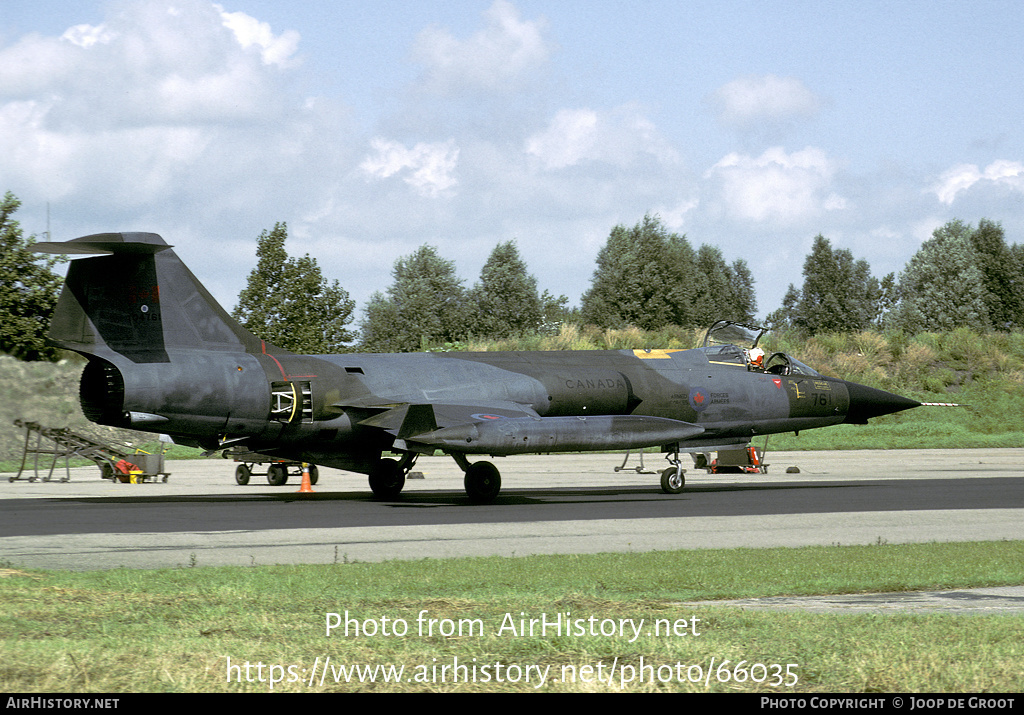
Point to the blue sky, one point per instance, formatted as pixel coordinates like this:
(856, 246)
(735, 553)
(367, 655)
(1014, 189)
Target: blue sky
(372, 128)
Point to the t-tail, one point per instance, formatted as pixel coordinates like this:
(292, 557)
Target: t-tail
(163, 355)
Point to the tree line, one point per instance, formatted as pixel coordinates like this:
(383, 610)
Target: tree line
(962, 277)
(645, 276)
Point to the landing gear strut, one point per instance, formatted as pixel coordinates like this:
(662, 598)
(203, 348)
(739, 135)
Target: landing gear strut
(387, 478)
(673, 479)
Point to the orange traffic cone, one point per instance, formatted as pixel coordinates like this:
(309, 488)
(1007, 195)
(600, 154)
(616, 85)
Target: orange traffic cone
(306, 487)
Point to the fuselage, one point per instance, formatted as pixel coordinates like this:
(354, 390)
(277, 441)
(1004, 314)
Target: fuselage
(312, 406)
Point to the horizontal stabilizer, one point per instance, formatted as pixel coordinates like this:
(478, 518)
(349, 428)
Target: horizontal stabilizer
(105, 244)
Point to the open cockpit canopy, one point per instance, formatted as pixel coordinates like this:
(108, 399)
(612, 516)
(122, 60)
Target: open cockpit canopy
(731, 342)
(728, 332)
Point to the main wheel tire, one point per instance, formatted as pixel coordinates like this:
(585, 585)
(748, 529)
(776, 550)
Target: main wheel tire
(387, 479)
(483, 482)
(277, 475)
(242, 474)
(314, 474)
(673, 481)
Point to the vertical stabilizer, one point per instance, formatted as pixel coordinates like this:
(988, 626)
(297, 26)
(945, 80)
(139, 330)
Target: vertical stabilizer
(139, 300)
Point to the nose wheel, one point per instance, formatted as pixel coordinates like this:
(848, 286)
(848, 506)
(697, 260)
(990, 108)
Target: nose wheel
(673, 479)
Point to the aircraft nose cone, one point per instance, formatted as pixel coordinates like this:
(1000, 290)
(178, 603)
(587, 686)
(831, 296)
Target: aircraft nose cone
(867, 402)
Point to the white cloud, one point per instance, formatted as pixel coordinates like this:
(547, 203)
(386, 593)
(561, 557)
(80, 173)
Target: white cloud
(88, 35)
(674, 217)
(578, 135)
(161, 113)
(151, 63)
(776, 185)
(493, 59)
(755, 99)
(250, 32)
(30, 154)
(571, 137)
(36, 66)
(428, 168)
(964, 176)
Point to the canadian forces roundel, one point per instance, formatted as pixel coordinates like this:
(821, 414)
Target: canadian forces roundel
(699, 399)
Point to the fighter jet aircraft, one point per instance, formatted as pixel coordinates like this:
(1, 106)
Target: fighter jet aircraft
(164, 357)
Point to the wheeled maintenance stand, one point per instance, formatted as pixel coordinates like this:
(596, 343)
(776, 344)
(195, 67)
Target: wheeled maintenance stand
(116, 463)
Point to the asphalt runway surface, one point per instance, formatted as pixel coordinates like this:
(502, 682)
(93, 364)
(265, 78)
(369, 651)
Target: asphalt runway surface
(548, 504)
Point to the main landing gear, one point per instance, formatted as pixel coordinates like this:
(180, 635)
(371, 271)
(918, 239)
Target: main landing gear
(387, 478)
(482, 480)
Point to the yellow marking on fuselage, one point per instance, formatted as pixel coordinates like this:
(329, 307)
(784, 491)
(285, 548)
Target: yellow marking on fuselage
(295, 402)
(656, 354)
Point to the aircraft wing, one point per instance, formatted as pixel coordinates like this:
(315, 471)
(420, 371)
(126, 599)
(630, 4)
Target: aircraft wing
(509, 428)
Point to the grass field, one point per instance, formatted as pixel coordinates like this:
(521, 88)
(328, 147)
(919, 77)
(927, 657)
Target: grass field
(464, 625)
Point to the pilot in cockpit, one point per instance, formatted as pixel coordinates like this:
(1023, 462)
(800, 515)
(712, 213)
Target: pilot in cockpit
(755, 359)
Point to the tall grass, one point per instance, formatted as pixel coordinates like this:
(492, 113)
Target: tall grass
(575, 337)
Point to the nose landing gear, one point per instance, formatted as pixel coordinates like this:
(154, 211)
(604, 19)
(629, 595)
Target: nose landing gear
(673, 479)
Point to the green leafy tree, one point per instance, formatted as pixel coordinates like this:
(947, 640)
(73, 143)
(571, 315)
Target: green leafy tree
(742, 297)
(839, 294)
(888, 299)
(721, 291)
(782, 317)
(424, 306)
(289, 303)
(1017, 263)
(505, 299)
(942, 287)
(28, 290)
(644, 278)
(555, 312)
(711, 286)
(1004, 289)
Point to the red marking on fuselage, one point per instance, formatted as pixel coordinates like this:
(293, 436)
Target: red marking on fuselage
(286, 376)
